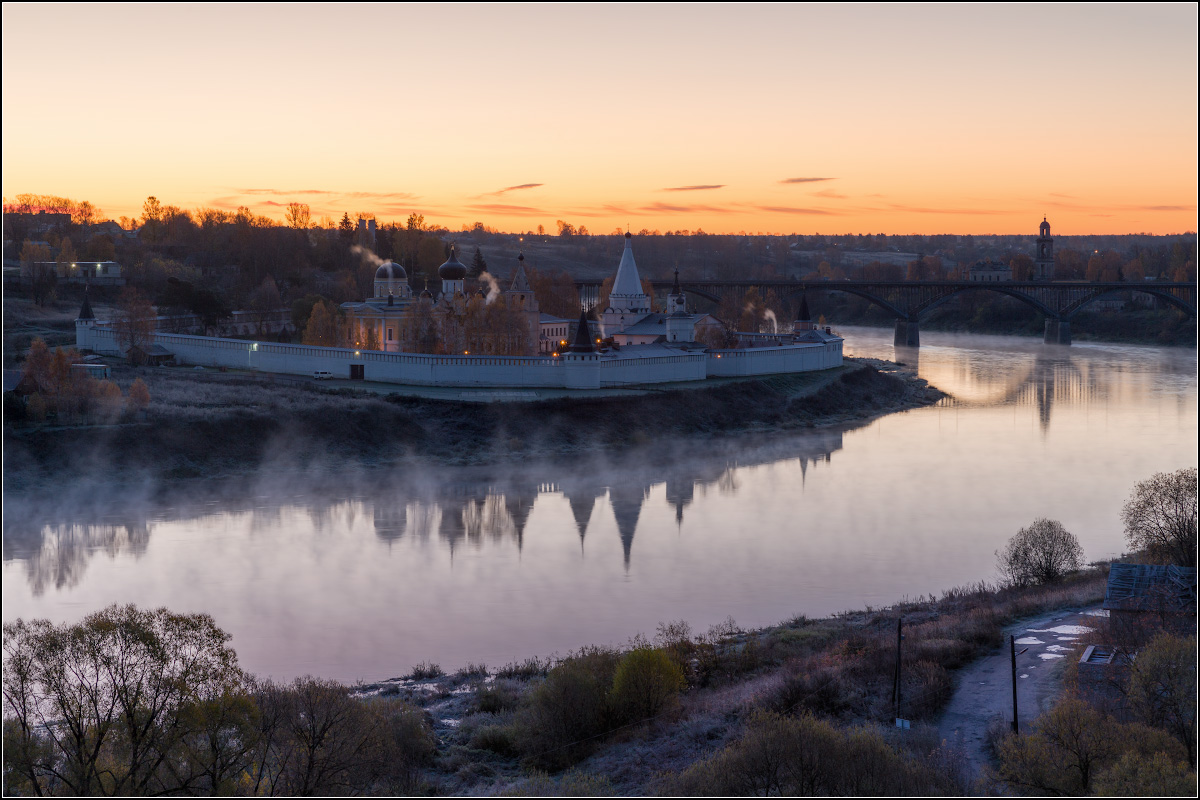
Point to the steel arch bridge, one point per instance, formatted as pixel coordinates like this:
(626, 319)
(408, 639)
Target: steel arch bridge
(908, 301)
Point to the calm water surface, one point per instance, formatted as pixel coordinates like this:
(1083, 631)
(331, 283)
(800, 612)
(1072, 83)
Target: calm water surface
(362, 576)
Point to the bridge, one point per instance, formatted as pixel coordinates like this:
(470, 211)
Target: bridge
(907, 301)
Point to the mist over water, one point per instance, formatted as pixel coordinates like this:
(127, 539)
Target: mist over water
(360, 573)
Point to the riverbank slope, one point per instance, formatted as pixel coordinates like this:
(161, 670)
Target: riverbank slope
(214, 425)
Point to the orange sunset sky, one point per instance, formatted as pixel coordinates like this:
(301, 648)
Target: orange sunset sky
(793, 118)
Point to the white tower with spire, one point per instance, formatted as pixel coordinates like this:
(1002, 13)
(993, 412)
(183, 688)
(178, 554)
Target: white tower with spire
(627, 303)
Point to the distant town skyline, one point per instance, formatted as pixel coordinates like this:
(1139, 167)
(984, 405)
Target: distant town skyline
(775, 119)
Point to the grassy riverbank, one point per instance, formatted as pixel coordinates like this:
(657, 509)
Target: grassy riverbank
(212, 424)
(493, 726)
(799, 708)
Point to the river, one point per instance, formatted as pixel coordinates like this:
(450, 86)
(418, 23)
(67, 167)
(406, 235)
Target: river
(360, 577)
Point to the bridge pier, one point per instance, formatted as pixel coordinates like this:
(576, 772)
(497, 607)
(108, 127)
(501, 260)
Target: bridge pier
(908, 333)
(1058, 331)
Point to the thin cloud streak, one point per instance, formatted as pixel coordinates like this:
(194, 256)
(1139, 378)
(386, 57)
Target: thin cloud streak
(806, 180)
(516, 188)
(697, 188)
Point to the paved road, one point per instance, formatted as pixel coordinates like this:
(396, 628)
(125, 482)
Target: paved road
(984, 690)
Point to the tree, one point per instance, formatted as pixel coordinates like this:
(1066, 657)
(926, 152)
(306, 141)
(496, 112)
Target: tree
(1041, 553)
(478, 264)
(135, 322)
(263, 302)
(298, 217)
(1160, 517)
(346, 228)
(152, 219)
(101, 707)
(323, 329)
(43, 277)
(1022, 267)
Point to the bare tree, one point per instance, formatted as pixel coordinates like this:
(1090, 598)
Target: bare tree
(1041, 553)
(1160, 516)
(135, 322)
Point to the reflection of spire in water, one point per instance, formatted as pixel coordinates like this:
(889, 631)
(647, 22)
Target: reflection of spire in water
(581, 497)
(519, 503)
(453, 528)
(680, 493)
(626, 500)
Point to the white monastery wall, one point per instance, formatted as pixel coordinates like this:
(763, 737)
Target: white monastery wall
(568, 371)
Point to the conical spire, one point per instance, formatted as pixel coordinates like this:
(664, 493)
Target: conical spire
(520, 282)
(627, 282)
(675, 289)
(86, 311)
(803, 314)
(583, 336)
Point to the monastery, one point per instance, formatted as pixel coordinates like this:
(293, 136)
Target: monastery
(628, 345)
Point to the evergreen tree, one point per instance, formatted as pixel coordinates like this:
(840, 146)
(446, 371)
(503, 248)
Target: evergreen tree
(346, 227)
(478, 265)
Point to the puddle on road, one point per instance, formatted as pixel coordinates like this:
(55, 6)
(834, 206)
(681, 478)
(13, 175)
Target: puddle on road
(1075, 630)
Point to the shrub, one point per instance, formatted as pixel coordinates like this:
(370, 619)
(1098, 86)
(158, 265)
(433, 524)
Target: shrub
(139, 395)
(647, 682)
(817, 689)
(1071, 745)
(498, 697)
(777, 755)
(1162, 688)
(498, 739)
(526, 670)
(1042, 553)
(569, 710)
(1157, 776)
(425, 671)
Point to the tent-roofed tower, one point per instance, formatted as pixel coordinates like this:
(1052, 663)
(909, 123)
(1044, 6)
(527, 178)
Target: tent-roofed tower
(520, 298)
(627, 303)
(627, 295)
(803, 317)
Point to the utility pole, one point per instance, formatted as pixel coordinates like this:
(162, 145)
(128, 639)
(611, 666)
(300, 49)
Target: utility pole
(1012, 648)
(896, 684)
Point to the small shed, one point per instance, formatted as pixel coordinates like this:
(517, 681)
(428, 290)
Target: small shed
(151, 354)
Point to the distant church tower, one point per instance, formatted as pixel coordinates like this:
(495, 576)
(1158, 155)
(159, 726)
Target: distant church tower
(676, 301)
(1043, 263)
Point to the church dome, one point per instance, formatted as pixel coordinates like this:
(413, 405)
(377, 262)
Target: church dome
(453, 269)
(390, 271)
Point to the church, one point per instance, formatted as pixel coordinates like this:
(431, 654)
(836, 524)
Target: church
(394, 321)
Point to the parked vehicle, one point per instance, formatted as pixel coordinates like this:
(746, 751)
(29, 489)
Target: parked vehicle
(322, 375)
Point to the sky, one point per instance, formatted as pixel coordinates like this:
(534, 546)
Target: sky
(772, 118)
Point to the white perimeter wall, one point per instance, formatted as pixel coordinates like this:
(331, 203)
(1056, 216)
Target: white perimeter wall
(774, 360)
(509, 371)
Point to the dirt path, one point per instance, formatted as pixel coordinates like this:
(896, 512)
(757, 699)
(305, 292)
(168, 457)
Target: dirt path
(984, 691)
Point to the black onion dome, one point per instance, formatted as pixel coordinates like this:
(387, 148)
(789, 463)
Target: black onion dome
(390, 271)
(453, 269)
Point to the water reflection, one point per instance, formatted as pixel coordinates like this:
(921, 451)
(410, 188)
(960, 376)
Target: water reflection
(465, 514)
(363, 575)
